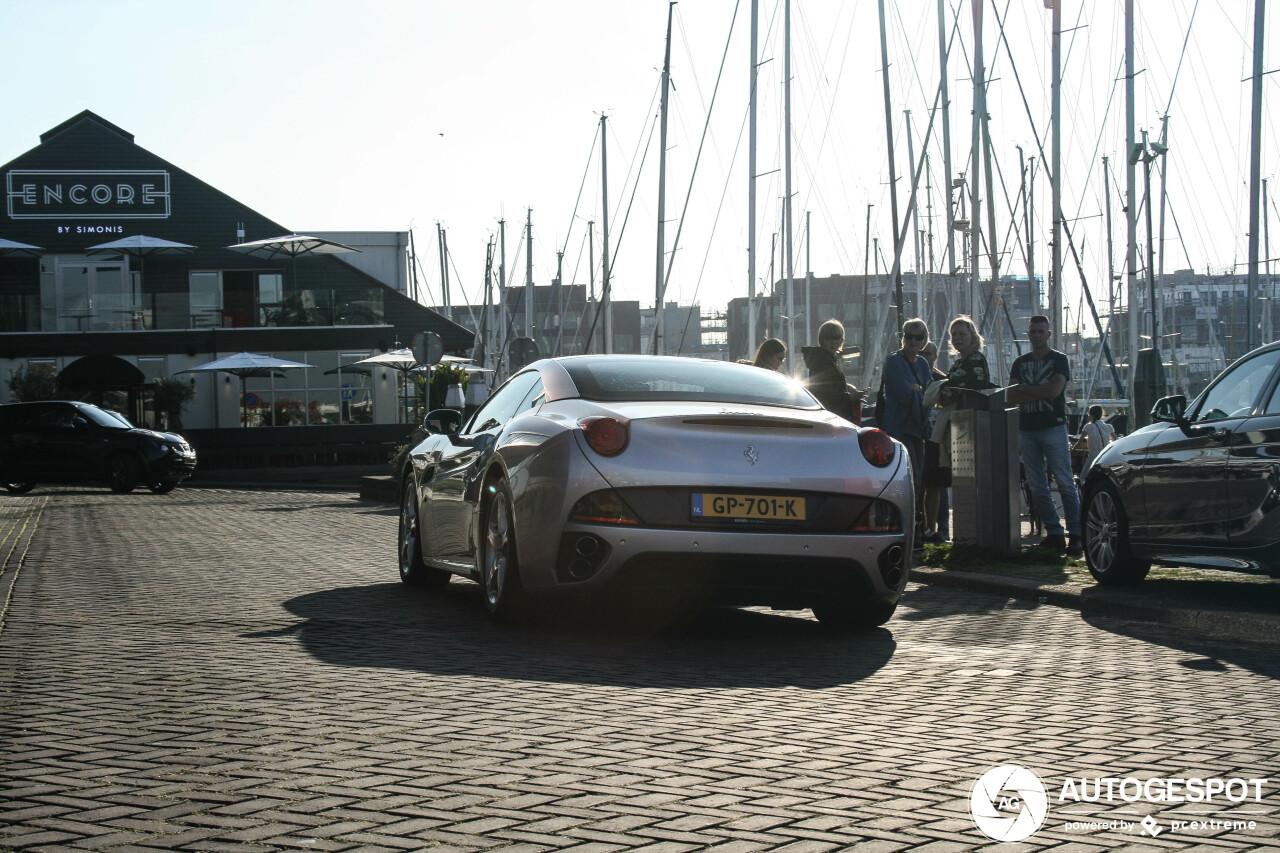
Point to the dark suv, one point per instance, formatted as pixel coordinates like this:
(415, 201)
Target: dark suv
(65, 442)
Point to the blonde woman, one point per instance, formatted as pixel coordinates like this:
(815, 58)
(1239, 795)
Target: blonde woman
(969, 370)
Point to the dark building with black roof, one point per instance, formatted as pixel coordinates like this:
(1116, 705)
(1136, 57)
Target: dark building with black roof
(65, 307)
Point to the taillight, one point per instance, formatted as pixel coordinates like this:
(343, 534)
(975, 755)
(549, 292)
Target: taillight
(606, 436)
(877, 447)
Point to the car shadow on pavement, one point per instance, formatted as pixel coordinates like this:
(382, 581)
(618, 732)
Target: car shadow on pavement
(447, 632)
(1143, 612)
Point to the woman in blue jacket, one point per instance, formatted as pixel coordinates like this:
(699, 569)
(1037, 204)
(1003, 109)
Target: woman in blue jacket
(906, 375)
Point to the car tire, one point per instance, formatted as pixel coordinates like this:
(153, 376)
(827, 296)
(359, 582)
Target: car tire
(848, 614)
(122, 473)
(504, 595)
(413, 569)
(19, 488)
(163, 488)
(1106, 539)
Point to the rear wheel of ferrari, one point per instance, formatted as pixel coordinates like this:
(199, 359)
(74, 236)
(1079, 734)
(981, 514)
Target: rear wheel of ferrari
(845, 613)
(1106, 539)
(413, 570)
(504, 596)
(19, 488)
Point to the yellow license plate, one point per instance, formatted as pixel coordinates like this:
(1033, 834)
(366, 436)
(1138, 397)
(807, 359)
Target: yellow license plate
(758, 507)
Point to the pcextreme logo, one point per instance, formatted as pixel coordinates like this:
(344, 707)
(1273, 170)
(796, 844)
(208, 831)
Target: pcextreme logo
(1010, 803)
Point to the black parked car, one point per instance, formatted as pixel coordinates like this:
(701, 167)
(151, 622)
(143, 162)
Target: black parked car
(1200, 486)
(65, 442)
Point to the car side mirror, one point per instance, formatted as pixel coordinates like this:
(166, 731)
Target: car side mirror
(1173, 410)
(1170, 410)
(443, 422)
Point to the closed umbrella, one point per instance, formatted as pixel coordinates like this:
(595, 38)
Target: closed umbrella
(244, 365)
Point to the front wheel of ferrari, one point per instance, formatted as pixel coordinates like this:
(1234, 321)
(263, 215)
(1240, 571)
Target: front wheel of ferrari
(504, 595)
(413, 569)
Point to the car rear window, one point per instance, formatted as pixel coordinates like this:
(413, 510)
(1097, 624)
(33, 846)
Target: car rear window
(670, 379)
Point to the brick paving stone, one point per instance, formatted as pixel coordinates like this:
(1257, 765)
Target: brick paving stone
(258, 679)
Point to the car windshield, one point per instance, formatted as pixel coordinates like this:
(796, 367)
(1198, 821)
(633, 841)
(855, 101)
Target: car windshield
(105, 418)
(669, 379)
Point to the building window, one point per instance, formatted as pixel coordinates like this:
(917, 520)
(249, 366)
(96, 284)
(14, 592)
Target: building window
(270, 295)
(206, 299)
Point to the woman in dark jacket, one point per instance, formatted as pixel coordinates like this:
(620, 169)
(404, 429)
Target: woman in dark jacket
(826, 379)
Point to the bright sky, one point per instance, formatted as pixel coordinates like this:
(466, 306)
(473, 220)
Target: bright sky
(396, 114)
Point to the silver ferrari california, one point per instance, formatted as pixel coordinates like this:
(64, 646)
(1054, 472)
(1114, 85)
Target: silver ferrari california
(613, 476)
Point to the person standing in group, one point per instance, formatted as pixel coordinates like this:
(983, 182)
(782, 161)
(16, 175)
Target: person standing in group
(937, 479)
(771, 354)
(906, 375)
(1096, 435)
(969, 371)
(826, 379)
(1039, 387)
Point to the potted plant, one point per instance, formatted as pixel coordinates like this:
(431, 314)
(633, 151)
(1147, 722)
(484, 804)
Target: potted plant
(171, 396)
(443, 376)
(35, 383)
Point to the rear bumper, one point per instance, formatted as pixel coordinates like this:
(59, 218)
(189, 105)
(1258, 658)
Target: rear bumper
(770, 569)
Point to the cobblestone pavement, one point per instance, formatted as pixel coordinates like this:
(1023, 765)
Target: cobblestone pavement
(238, 670)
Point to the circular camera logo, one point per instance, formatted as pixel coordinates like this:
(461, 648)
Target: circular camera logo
(1008, 803)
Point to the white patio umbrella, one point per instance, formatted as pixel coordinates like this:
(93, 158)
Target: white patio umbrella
(13, 247)
(244, 365)
(141, 246)
(291, 246)
(400, 360)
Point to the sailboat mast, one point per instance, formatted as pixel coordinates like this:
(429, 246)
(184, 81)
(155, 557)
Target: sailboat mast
(893, 172)
(1136, 419)
(528, 275)
(975, 171)
(444, 271)
(946, 136)
(605, 296)
(786, 203)
(915, 223)
(808, 282)
(1055, 282)
(1255, 168)
(659, 288)
(591, 269)
(751, 185)
(502, 295)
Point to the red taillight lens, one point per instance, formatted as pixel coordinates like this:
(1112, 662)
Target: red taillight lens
(876, 446)
(606, 436)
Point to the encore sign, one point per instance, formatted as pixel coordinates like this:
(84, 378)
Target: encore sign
(88, 194)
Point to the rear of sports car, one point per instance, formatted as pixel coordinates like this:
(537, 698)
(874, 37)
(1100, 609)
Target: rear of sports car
(741, 504)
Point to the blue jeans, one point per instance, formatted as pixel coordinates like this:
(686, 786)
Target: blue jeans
(1044, 452)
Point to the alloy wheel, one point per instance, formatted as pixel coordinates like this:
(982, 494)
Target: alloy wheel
(1102, 531)
(408, 532)
(497, 551)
